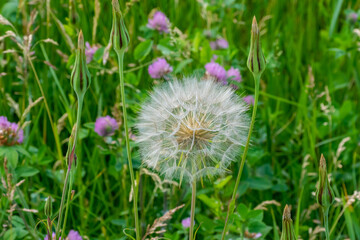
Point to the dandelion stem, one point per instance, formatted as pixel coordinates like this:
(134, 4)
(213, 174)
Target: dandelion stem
(122, 92)
(192, 215)
(326, 222)
(233, 198)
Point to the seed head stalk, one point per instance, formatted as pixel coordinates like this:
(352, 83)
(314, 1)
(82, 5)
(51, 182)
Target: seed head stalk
(192, 215)
(127, 142)
(256, 63)
(232, 202)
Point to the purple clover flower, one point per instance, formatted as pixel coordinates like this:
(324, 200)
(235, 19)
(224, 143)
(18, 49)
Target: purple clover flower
(90, 51)
(234, 74)
(215, 70)
(159, 22)
(106, 126)
(249, 99)
(10, 133)
(186, 222)
(159, 68)
(220, 43)
(74, 235)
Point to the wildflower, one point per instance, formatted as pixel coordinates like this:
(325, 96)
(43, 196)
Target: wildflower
(234, 74)
(119, 36)
(353, 17)
(252, 235)
(74, 235)
(159, 22)
(10, 133)
(106, 126)
(288, 232)
(256, 60)
(324, 194)
(220, 43)
(89, 52)
(215, 70)
(159, 68)
(186, 222)
(191, 128)
(249, 99)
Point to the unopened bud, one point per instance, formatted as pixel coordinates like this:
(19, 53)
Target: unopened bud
(70, 154)
(80, 76)
(288, 232)
(324, 194)
(119, 36)
(256, 61)
(48, 207)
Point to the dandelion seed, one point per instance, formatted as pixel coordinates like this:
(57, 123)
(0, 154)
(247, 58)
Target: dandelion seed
(216, 71)
(10, 133)
(189, 129)
(159, 22)
(159, 68)
(106, 126)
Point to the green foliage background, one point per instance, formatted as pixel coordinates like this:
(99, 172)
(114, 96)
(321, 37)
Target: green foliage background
(309, 103)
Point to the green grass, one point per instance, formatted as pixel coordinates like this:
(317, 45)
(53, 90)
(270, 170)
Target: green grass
(309, 103)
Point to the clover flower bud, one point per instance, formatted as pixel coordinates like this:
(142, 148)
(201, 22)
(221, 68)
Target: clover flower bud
(48, 207)
(288, 232)
(80, 76)
(119, 36)
(324, 194)
(256, 61)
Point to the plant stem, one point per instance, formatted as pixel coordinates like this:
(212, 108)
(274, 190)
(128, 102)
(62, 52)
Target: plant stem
(56, 135)
(232, 202)
(192, 215)
(122, 92)
(62, 201)
(326, 223)
(69, 174)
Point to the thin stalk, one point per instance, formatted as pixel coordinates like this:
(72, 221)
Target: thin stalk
(232, 202)
(78, 122)
(326, 223)
(56, 135)
(122, 92)
(192, 215)
(62, 201)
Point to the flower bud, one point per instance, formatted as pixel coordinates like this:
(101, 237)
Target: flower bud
(119, 36)
(80, 76)
(256, 61)
(48, 207)
(288, 232)
(324, 194)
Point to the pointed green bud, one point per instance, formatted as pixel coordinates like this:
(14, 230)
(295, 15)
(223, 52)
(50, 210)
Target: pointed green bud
(256, 61)
(119, 36)
(288, 232)
(324, 194)
(80, 76)
(48, 207)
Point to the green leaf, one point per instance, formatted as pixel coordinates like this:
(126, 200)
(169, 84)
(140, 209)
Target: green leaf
(25, 171)
(12, 157)
(10, 234)
(220, 183)
(259, 183)
(243, 211)
(255, 215)
(143, 49)
(118, 222)
(182, 64)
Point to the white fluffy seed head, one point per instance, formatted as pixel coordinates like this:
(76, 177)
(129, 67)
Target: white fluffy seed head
(192, 128)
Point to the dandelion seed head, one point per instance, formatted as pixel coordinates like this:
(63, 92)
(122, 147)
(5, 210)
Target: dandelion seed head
(191, 129)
